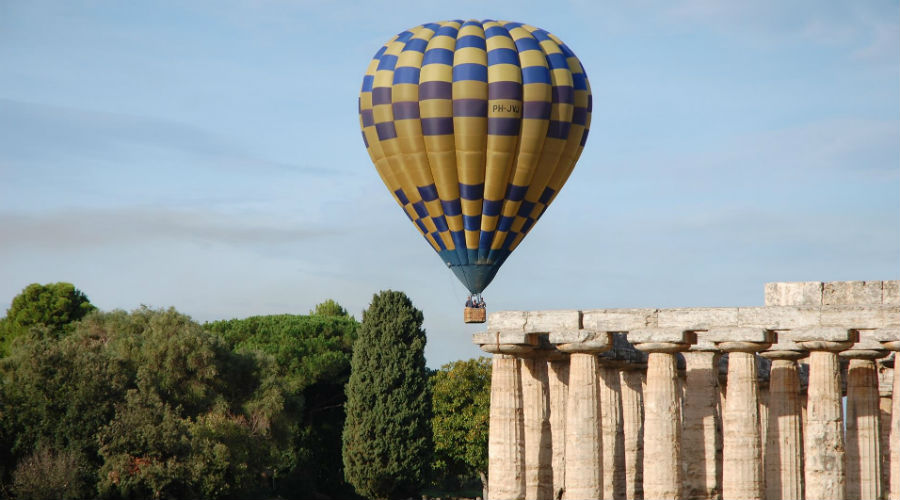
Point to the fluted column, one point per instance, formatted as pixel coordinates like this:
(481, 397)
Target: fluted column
(892, 343)
(863, 425)
(702, 432)
(611, 430)
(506, 432)
(742, 451)
(633, 431)
(559, 394)
(538, 446)
(784, 449)
(662, 410)
(584, 446)
(824, 451)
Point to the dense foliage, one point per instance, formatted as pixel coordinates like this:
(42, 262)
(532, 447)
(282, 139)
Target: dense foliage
(387, 443)
(144, 403)
(312, 364)
(51, 307)
(461, 395)
(149, 404)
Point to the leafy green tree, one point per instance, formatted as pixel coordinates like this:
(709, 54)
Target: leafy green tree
(329, 308)
(312, 363)
(461, 396)
(387, 442)
(152, 402)
(53, 306)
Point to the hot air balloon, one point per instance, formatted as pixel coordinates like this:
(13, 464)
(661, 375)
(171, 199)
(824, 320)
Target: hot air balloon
(474, 127)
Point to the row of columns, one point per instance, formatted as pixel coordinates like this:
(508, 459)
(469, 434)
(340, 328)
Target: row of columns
(567, 423)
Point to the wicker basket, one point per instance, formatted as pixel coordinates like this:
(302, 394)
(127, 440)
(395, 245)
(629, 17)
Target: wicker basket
(474, 315)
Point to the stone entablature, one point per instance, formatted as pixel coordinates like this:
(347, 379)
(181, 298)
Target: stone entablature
(645, 382)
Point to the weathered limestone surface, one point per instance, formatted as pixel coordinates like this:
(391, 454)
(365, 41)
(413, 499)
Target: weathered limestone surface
(784, 439)
(538, 445)
(506, 468)
(559, 393)
(823, 435)
(612, 431)
(804, 293)
(696, 318)
(702, 431)
(863, 431)
(674, 335)
(584, 452)
(742, 454)
(662, 429)
(842, 293)
(633, 431)
(619, 320)
(547, 321)
(890, 293)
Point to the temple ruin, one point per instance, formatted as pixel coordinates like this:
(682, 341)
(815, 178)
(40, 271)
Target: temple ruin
(789, 400)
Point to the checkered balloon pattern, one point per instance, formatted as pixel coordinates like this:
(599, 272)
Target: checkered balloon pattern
(474, 127)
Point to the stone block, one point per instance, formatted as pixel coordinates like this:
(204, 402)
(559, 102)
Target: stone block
(506, 320)
(851, 293)
(783, 342)
(820, 333)
(890, 293)
(548, 321)
(502, 337)
(619, 320)
(590, 340)
(778, 317)
(864, 317)
(659, 335)
(740, 334)
(886, 334)
(867, 341)
(696, 318)
(801, 293)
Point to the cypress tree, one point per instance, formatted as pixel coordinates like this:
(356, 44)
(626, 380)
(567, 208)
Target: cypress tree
(387, 442)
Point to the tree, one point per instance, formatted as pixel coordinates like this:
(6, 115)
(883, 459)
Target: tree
(153, 404)
(329, 308)
(312, 363)
(54, 306)
(461, 396)
(387, 442)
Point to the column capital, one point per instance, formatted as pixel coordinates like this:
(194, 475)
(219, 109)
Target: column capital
(662, 340)
(889, 337)
(583, 340)
(513, 342)
(789, 355)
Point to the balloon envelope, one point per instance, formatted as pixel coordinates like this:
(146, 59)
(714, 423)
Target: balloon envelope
(474, 127)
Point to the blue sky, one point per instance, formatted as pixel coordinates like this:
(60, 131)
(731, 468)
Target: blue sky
(206, 155)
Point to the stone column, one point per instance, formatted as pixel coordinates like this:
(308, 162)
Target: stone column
(559, 393)
(538, 446)
(824, 453)
(890, 340)
(662, 410)
(633, 430)
(702, 432)
(612, 431)
(506, 432)
(742, 447)
(863, 430)
(784, 449)
(584, 445)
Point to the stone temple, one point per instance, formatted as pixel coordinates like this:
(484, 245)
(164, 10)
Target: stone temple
(790, 400)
